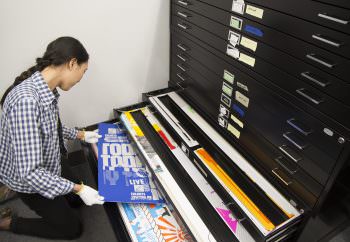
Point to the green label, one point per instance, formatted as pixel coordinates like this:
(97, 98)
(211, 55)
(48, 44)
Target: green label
(229, 77)
(236, 23)
(227, 89)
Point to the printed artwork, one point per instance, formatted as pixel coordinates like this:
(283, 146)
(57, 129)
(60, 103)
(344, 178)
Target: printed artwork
(122, 177)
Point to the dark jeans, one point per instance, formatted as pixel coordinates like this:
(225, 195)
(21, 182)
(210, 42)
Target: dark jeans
(58, 220)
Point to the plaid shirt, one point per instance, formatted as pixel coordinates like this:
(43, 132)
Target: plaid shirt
(29, 145)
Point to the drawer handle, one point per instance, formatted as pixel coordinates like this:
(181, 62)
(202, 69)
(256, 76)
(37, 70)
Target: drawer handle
(319, 60)
(183, 26)
(279, 161)
(181, 57)
(181, 67)
(287, 135)
(325, 40)
(288, 152)
(306, 94)
(182, 47)
(331, 18)
(299, 126)
(312, 77)
(181, 77)
(274, 171)
(184, 15)
(184, 3)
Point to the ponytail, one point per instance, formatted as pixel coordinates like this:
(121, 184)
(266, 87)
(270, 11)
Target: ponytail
(58, 52)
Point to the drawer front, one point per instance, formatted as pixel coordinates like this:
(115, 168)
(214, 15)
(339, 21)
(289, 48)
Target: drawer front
(329, 39)
(294, 146)
(340, 3)
(329, 16)
(325, 60)
(298, 181)
(298, 120)
(197, 25)
(307, 93)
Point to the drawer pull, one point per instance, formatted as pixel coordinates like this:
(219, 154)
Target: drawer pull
(184, 15)
(274, 171)
(315, 79)
(284, 163)
(302, 128)
(181, 77)
(182, 47)
(334, 19)
(290, 153)
(319, 60)
(309, 96)
(183, 26)
(184, 3)
(181, 67)
(295, 140)
(181, 57)
(325, 40)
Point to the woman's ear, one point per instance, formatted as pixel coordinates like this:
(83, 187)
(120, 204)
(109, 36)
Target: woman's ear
(72, 63)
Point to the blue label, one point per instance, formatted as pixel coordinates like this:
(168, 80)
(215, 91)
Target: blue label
(253, 30)
(238, 110)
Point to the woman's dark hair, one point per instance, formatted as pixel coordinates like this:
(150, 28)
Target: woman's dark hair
(58, 52)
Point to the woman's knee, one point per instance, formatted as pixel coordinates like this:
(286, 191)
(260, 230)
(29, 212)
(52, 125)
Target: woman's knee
(72, 229)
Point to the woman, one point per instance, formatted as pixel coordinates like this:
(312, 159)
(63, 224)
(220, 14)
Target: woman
(31, 143)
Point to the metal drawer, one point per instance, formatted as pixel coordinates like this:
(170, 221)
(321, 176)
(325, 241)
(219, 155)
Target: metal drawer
(298, 119)
(198, 25)
(298, 182)
(325, 60)
(329, 39)
(307, 93)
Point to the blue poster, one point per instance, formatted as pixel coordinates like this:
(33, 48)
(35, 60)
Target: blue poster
(121, 175)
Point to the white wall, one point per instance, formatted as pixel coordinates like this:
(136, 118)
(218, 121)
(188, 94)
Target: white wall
(128, 43)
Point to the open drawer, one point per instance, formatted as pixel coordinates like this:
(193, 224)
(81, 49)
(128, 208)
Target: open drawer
(221, 193)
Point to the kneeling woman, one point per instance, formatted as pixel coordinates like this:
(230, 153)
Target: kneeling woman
(31, 143)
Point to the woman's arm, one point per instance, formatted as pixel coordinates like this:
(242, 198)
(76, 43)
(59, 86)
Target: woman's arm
(27, 151)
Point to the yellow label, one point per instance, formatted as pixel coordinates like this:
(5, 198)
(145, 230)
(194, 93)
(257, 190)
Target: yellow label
(250, 44)
(247, 59)
(234, 188)
(234, 131)
(133, 124)
(237, 121)
(254, 11)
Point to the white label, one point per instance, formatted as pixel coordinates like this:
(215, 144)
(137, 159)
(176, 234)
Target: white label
(234, 38)
(232, 51)
(226, 100)
(224, 111)
(242, 99)
(241, 85)
(222, 122)
(238, 6)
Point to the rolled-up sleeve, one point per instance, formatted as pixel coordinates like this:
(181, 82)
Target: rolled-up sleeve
(27, 151)
(69, 133)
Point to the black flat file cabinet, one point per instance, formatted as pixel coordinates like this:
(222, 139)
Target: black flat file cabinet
(263, 87)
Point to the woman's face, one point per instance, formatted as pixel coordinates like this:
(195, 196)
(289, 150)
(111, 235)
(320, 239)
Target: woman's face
(72, 74)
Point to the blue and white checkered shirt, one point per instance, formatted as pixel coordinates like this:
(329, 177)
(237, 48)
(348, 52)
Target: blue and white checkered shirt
(30, 159)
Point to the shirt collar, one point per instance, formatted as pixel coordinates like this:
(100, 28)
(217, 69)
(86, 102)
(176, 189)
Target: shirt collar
(47, 96)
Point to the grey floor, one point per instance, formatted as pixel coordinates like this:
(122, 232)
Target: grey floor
(96, 225)
(95, 221)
